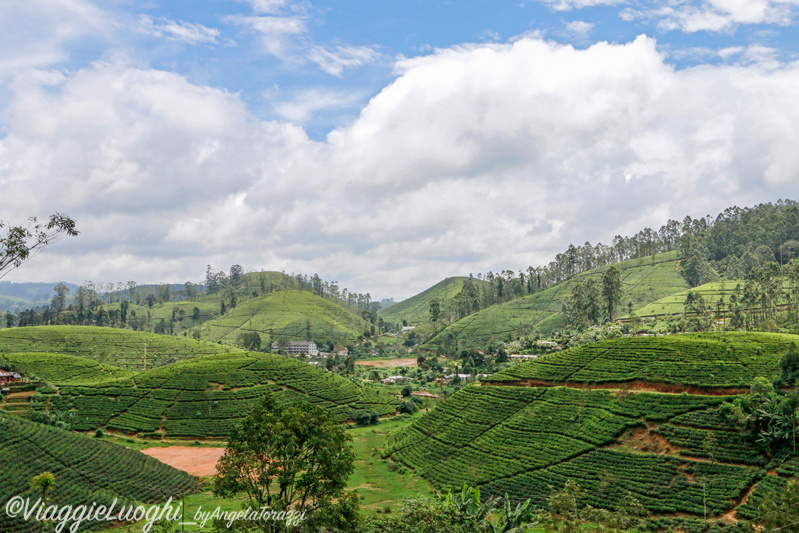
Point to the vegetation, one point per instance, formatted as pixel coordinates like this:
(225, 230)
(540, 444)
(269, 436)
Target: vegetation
(698, 360)
(296, 459)
(84, 470)
(126, 349)
(61, 369)
(20, 243)
(417, 308)
(286, 316)
(205, 397)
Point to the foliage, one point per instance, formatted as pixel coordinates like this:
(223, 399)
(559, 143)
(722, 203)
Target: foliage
(20, 243)
(87, 470)
(295, 457)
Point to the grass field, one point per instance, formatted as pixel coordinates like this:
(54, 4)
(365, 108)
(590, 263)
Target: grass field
(290, 315)
(644, 280)
(130, 350)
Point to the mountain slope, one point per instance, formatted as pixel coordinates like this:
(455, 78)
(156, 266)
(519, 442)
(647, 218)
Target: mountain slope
(86, 470)
(131, 350)
(204, 397)
(644, 280)
(286, 315)
(416, 308)
(526, 434)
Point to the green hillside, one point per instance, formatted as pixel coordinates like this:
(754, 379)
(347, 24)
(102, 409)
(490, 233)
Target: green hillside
(693, 359)
(528, 440)
(60, 369)
(204, 397)
(416, 308)
(86, 470)
(286, 315)
(119, 347)
(644, 280)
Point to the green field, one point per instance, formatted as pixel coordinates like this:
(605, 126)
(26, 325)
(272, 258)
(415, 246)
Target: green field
(86, 470)
(203, 397)
(696, 359)
(287, 315)
(644, 280)
(416, 309)
(118, 347)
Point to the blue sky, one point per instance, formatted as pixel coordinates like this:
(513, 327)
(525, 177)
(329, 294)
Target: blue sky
(384, 144)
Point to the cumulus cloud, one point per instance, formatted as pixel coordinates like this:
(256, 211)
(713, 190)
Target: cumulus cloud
(304, 105)
(476, 157)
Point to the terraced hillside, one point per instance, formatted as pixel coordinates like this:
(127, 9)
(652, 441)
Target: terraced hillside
(130, 350)
(691, 360)
(528, 438)
(644, 280)
(287, 315)
(60, 369)
(204, 397)
(416, 308)
(86, 470)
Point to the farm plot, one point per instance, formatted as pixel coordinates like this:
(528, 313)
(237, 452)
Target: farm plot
(205, 397)
(86, 470)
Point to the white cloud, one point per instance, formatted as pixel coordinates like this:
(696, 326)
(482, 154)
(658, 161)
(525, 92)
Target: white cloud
(178, 30)
(35, 33)
(304, 105)
(476, 157)
(579, 29)
(334, 60)
(277, 34)
(713, 15)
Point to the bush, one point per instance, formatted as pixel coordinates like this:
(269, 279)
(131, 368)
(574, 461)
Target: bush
(99, 434)
(408, 407)
(365, 418)
(406, 391)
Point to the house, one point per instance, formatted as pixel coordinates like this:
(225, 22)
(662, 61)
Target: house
(8, 377)
(297, 348)
(408, 328)
(523, 356)
(391, 380)
(342, 352)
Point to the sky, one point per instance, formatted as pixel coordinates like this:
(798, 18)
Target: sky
(385, 145)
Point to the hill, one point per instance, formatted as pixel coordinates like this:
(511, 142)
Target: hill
(286, 315)
(703, 361)
(86, 470)
(527, 437)
(26, 295)
(60, 369)
(644, 280)
(416, 308)
(203, 397)
(118, 347)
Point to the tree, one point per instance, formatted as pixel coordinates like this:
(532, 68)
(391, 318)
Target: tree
(435, 310)
(20, 243)
(611, 290)
(293, 457)
(43, 482)
(250, 340)
(59, 301)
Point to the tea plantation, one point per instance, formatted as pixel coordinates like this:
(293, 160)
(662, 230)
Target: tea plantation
(288, 315)
(519, 433)
(86, 470)
(60, 369)
(699, 360)
(119, 347)
(204, 397)
(644, 280)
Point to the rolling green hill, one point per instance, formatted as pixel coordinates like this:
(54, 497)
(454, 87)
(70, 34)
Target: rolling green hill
(416, 308)
(286, 315)
(60, 369)
(528, 438)
(203, 397)
(694, 359)
(644, 280)
(119, 347)
(86, 470)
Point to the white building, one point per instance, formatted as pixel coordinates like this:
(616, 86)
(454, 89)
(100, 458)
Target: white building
(297, 348)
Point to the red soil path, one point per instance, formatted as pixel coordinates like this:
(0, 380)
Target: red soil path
(196, 461)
